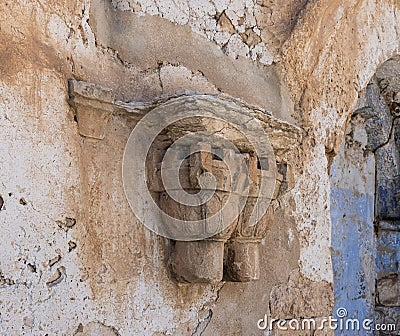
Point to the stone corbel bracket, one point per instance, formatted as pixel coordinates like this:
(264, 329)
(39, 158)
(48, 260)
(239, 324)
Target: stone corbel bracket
(93, 106)
(233, 254)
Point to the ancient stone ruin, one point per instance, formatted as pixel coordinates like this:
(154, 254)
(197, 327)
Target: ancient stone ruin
(214, 167)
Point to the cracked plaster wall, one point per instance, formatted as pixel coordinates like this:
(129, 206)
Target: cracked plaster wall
(250, 29)
(73, 259)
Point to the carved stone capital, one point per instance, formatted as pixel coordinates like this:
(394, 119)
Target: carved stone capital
(219, 168)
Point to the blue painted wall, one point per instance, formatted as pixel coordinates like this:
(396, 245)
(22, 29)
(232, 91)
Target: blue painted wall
(352, 215)
(352, 251)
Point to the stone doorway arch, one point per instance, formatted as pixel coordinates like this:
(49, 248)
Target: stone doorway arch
(365, 206)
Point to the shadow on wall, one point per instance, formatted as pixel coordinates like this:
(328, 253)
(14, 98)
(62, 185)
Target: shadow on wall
(365, 207)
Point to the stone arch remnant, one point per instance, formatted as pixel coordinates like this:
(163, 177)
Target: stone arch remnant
(365, 204)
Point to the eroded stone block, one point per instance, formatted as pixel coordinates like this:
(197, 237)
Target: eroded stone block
(390, 225)
(388, 254)
(242, 260)
(388, 291)
(379, 122)
(388, 181)
(198, 261)
(389, 318)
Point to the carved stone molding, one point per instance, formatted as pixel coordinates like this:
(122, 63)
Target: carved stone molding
(93, 106)
(231, 252)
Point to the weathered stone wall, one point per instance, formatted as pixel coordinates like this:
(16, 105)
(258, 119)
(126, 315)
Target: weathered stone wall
(73, 258)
